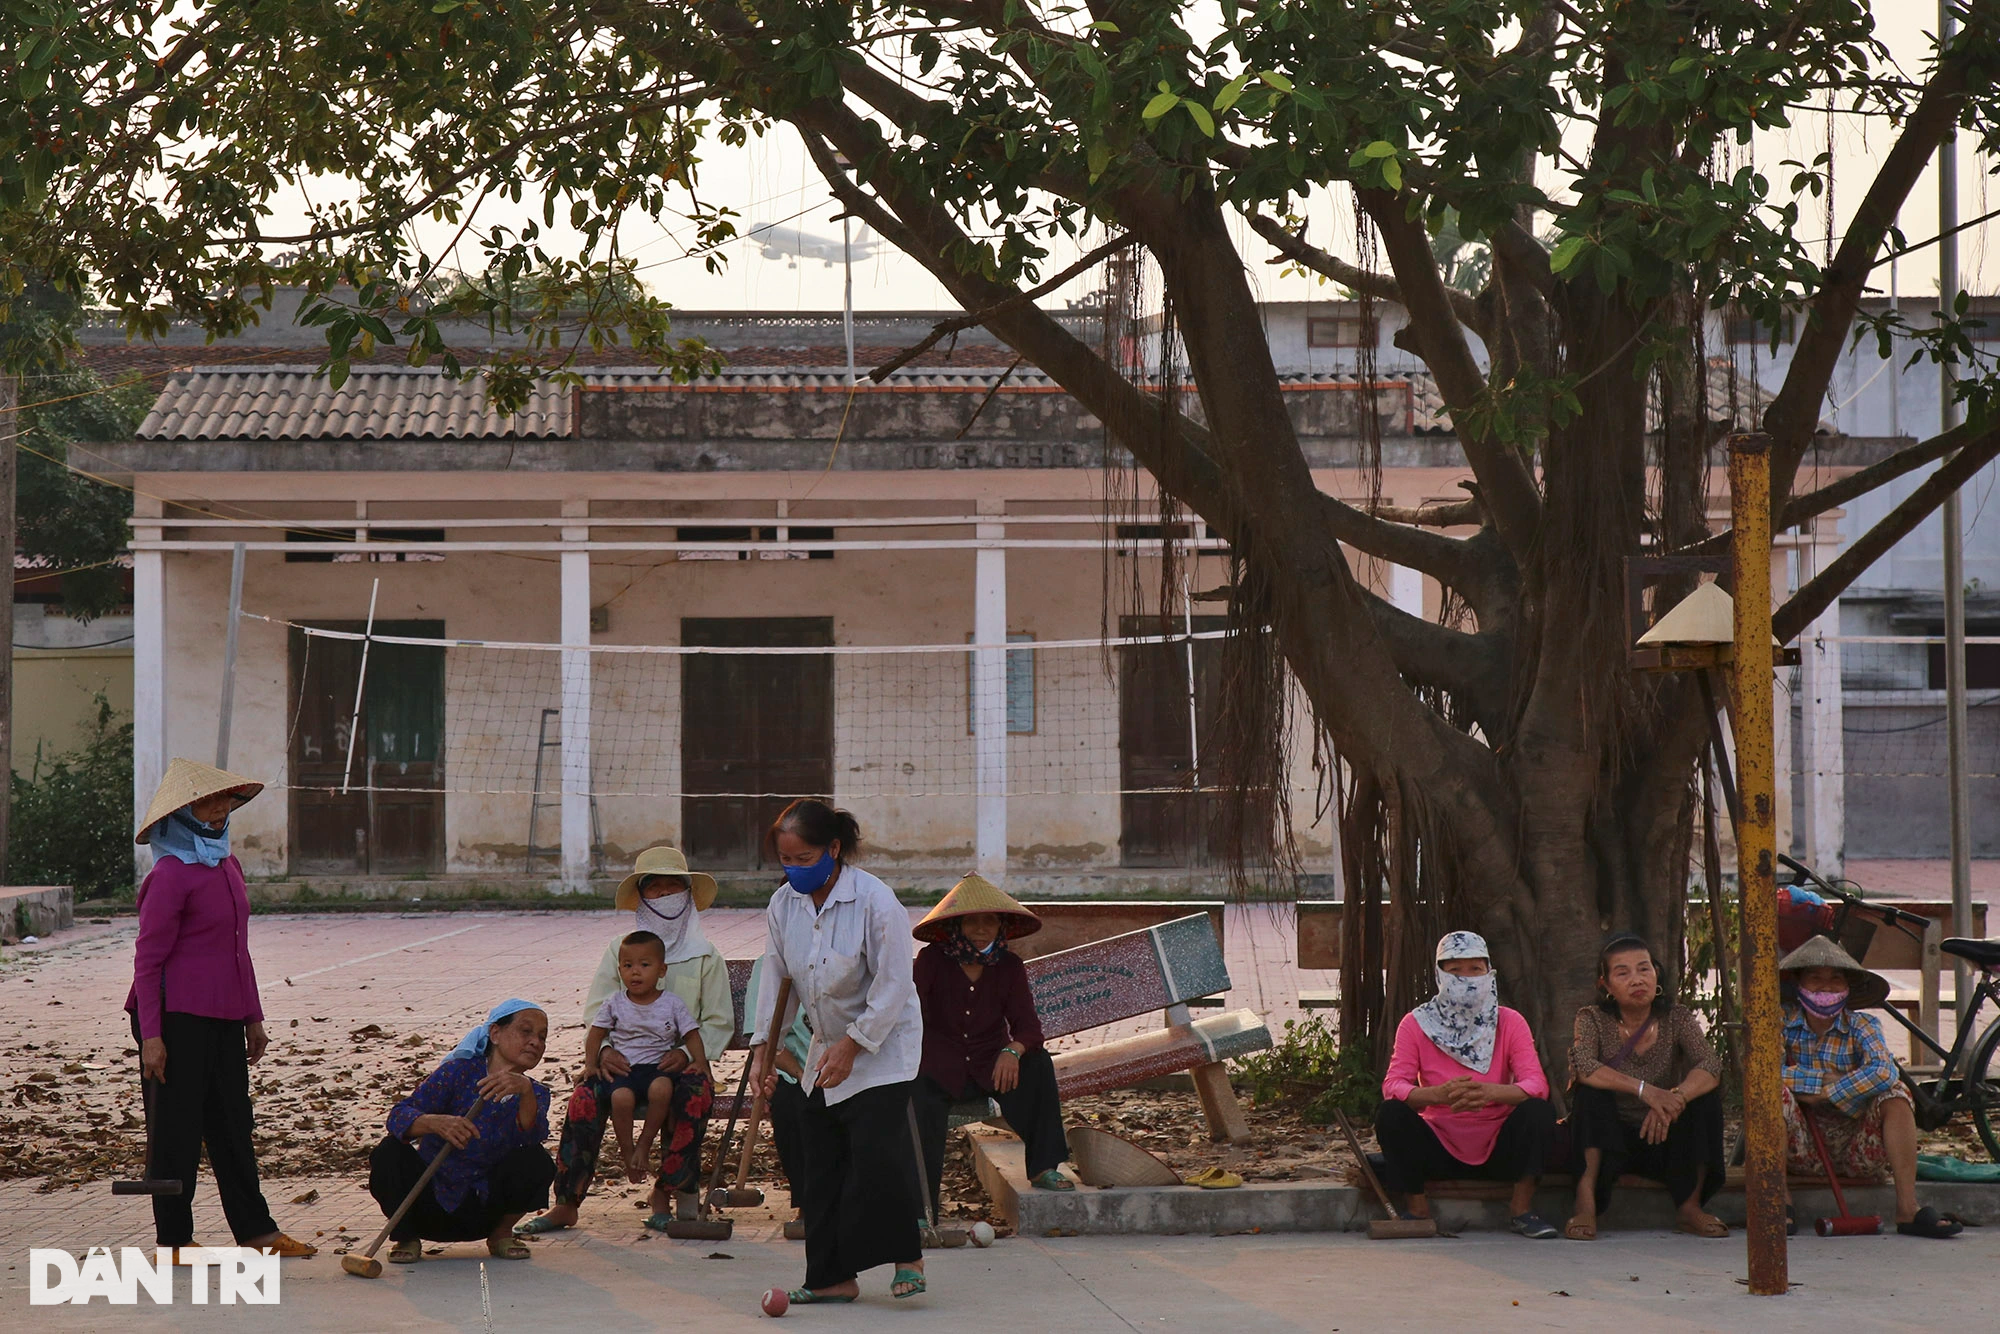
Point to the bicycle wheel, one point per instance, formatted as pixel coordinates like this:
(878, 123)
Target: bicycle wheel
(1982, 1090)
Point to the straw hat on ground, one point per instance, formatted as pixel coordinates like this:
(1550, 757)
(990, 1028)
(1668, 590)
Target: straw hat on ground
(976, 894)
(665, 861)
(1865, 990)
(186, 782)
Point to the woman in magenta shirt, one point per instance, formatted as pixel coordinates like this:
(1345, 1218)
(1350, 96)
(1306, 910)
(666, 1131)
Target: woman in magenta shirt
(194, 1008)
(1465, 1095)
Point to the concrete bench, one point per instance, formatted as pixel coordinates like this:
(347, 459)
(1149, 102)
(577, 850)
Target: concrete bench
(35, 910)
(1160, 968)
(1067, 924)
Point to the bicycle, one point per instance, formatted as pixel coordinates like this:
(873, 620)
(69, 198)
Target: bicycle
(1941, 1097)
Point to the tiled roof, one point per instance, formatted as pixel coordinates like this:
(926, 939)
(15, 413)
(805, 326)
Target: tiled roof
(293, 403)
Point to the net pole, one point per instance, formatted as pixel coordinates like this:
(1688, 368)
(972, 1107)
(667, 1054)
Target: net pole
(576, 667)
(360, 684)
(1956, 739)
(229, 658)
(989, 693)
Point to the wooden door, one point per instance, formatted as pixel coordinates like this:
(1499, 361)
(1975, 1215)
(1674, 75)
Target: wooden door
(756, 729)
(391, 820)
(1178, 827)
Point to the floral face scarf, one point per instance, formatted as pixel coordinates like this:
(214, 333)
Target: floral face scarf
(961, 950)
(1463, 1019)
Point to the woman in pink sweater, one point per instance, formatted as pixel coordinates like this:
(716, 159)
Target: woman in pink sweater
(194, 1008)
(1465, 1095)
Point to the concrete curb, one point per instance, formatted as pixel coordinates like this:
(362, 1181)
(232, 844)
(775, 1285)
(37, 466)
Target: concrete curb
(1331, 1206)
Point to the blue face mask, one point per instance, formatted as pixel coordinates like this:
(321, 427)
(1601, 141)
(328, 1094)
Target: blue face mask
(812, 879)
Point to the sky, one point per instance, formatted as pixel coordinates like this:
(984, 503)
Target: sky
(793, 264)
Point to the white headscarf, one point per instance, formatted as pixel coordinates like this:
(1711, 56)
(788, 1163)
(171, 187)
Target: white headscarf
(681, 932)
(1463, 1019)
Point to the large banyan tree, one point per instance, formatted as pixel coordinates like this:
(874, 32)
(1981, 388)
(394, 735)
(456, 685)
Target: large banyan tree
(1507, 767)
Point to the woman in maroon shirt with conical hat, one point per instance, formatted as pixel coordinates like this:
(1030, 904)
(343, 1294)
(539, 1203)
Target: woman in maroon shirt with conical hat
(194, 1007)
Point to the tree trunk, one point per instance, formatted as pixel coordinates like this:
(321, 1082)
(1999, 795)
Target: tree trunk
(9, 451)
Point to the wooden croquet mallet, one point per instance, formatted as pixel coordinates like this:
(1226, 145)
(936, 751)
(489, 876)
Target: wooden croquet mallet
(365, 1265)
(774, 1038)
(150, 1185)
(1395, 1227)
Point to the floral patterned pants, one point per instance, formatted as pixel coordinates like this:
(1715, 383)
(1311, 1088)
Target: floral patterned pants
(1853, 1142)
(680, 1141)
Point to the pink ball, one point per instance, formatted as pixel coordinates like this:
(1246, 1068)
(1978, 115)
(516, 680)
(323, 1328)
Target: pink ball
(776, 1303)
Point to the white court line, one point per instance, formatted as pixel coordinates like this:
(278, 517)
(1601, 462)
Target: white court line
(346, 963)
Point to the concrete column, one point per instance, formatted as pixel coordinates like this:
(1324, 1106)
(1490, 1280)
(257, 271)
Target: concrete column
(1406, 589)
(989, 695)
(1823, 749)
(149, 668)
(576, 848)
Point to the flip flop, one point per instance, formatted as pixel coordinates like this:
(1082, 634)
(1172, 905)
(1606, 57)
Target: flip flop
(1533, 1226)
(1708, 1227)
(913, 1279)
(406, 1252)
(1930, 1223)
(539, 1225)
(658, 1222)
(1215, 1178)
(1580, 1231)
(513, 1248)
(807, 1297)
(1053, 1179)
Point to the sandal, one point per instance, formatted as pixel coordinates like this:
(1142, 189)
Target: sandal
(807, 1297)
(289, 1248)
(1533, 1226)
(911, 1281)
(1578, 1230)
(659, 1222)
(508, 1248)
(539, 1225)
(407, 1252)
(1053, 1179)
(1209, 1178)
(1930, 1223)
(1708, 1226)
(1791, 1221)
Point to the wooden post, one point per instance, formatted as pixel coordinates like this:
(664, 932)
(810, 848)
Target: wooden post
(10, 429)
(1756, 860)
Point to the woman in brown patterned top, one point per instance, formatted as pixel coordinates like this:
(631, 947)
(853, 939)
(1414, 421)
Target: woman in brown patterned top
(1643, 1094)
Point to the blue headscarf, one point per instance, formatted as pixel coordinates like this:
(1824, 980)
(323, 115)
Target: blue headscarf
(181, 835)
(473, 1045)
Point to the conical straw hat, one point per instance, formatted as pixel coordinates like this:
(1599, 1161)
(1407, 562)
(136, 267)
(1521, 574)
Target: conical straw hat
(664, 861)
(189, 781)
(1705, 616)
(1865, 990)
(976, 894)
(1105, 1160)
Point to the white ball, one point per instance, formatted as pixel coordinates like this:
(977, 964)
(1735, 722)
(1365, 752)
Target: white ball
(982, 1235)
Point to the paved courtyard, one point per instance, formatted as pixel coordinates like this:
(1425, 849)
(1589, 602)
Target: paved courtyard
(420, 979)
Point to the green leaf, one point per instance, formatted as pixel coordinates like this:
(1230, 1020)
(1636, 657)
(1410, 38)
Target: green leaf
(1099, 158)
(1104, 25)
(1380, 148)
(1202, 120)
(1230, 92)
(1276, 80)
(446, 6)
(1566, 253)
(1160, 106)
(1392, 173)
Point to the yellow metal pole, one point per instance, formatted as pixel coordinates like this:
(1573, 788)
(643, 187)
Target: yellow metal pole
(1756, 856)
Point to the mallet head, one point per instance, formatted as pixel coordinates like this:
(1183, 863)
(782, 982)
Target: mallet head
(362, 1266)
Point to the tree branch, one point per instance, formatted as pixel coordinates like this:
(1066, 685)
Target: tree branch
(1434, 514)
(967, 321)
(1794, 412)
(1505, 482)
(1827, 586)
(1378, 285)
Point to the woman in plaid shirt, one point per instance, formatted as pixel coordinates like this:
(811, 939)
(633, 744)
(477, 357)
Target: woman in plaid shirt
(1838, 1069)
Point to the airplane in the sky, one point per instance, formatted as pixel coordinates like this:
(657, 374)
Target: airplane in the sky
(792, 244)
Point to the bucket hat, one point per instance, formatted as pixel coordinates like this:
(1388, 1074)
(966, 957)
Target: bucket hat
(665, 861)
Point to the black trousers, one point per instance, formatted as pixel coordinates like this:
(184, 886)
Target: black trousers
(1032, 1107)
(862, 1206)
(1415, 1154)
(519, 1184)
(205, 1101)
(1694, 1142)
(787, 1110)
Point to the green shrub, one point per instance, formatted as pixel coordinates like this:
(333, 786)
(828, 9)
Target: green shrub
(72, 815)
(1308, 1067)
